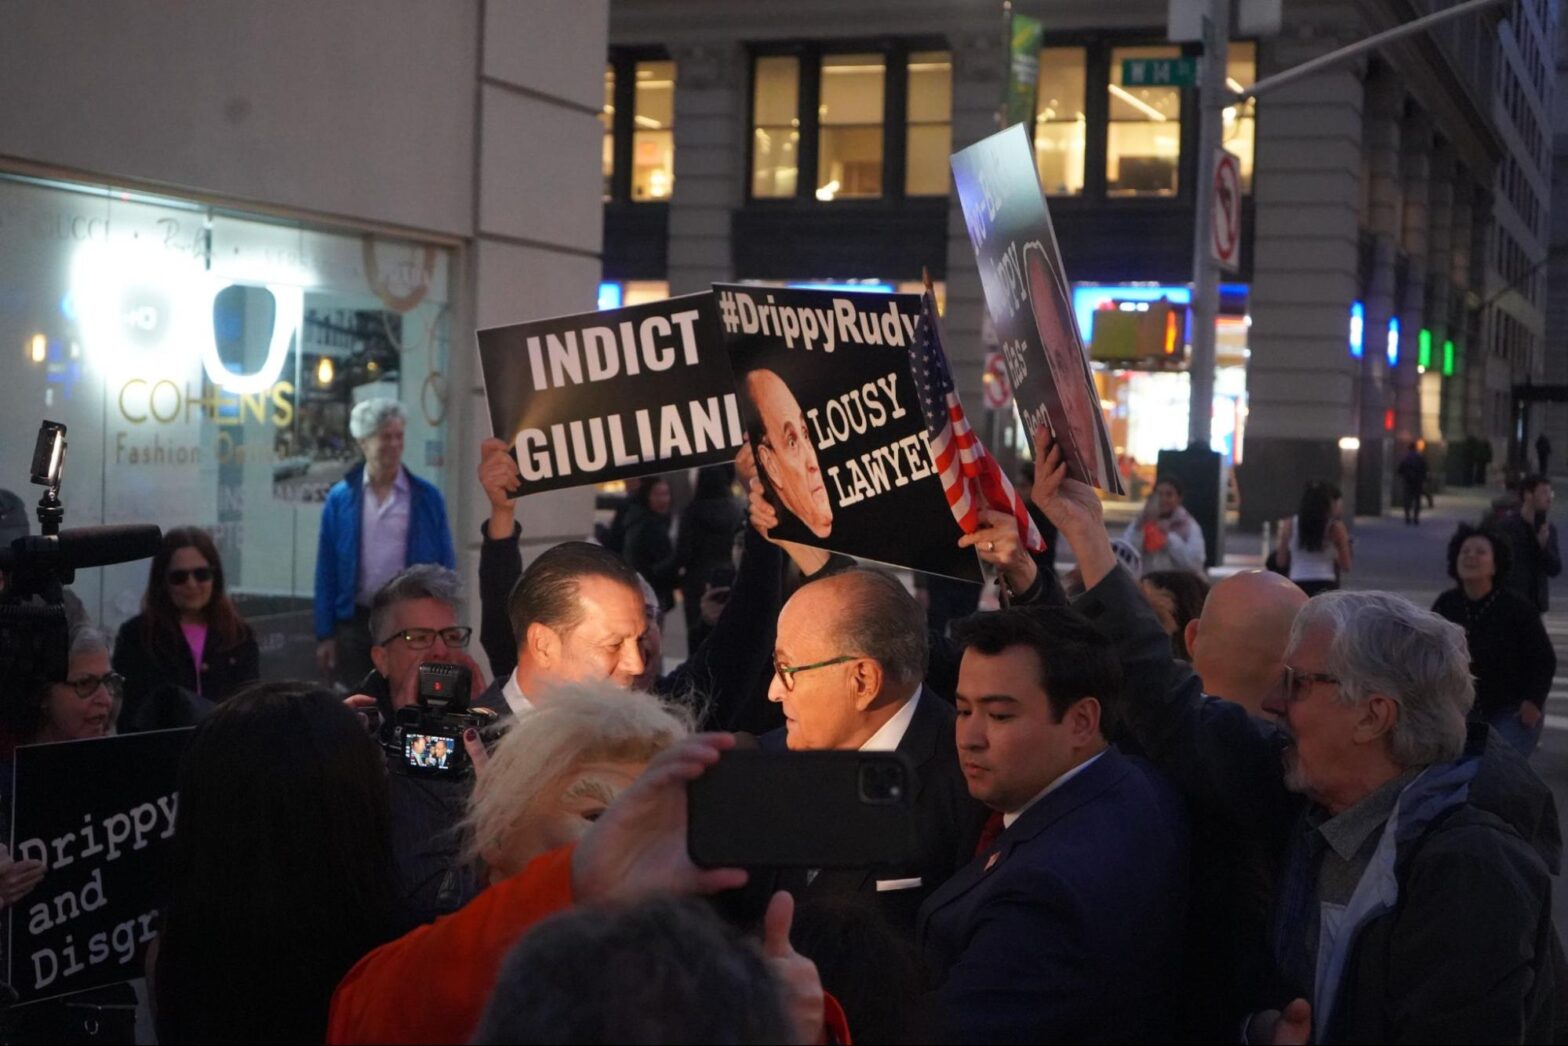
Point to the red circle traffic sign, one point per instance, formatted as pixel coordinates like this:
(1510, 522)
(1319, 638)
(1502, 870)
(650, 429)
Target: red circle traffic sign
(1225, 215)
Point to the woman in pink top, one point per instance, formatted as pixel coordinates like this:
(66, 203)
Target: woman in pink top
(188, 647)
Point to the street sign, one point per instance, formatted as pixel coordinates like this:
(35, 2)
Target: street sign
(998, 392)
(1159, 72)
(1225, 215)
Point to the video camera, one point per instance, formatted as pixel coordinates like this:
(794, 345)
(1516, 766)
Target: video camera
(34, 632)
(429, 734)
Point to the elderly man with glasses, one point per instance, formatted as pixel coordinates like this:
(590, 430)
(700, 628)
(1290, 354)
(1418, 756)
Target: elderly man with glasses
(1411, 856)
(849, 662)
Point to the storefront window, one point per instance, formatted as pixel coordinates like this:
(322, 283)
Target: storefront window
(205, 363)
(930, 115)
(1143, 144)
(775, 123)
(1059, 121)
(653, 136)
(607, 118)
(849, 144)
(1241, 121)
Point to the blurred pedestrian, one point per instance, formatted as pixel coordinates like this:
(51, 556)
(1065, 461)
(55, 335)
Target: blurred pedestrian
(377, 520)
(1543, 453)
(1177, 598)
(1511, 656)
(281, 876)
(1412, 470)
(1165, 535)
(649, 548)
(189, 648)
(704, 545)
(1314, 544)
(1534, 557)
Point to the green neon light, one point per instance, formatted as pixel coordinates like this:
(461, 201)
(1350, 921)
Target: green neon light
(1448, 359)
(1424, 354)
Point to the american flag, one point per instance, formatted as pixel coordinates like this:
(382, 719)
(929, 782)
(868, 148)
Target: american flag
(970, 475)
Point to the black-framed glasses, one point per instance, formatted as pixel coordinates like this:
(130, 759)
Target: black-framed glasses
(87, 686)
(1295, 682)
(201, 574)
(454, 638)
(787, 674)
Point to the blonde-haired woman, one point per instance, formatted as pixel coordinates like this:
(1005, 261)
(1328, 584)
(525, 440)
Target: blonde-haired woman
(559, 766)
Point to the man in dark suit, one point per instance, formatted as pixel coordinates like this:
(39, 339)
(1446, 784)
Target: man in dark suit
(1067, 924)
(850, 656)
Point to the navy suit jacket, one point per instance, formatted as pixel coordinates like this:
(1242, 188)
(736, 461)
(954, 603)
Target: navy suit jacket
(1068, 927)
(947, 824)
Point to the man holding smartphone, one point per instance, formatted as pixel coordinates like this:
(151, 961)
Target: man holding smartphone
(849, 663)
(1067, 925)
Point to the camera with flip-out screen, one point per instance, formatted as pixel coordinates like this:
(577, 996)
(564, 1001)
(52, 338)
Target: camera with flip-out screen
(429, 734)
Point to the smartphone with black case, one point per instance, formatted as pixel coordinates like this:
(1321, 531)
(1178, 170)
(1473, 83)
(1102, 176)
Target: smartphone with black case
(756, 809)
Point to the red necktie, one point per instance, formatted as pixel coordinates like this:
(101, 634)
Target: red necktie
(993, 828)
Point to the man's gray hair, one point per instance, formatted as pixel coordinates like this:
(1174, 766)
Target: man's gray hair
(422, 581)
(88, 640)
(370, 415)
(1383, 643)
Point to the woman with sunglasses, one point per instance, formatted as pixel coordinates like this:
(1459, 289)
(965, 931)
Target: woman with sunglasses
(188, 641)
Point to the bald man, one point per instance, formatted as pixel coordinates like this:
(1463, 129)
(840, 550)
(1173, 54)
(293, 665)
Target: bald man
(1238, 643)
(786, 456)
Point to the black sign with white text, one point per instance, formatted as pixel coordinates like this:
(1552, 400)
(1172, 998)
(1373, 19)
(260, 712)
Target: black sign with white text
(610, 395)
(100, 815)
(1030, 301)
(829, 403)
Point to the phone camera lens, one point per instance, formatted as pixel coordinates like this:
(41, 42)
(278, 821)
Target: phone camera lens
(881, 784)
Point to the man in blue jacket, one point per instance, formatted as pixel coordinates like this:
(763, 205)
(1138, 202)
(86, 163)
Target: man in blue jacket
(1066, 927)
(377, 520)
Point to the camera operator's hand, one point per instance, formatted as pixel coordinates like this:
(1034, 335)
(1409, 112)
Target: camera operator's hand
(499, 478)
(637, 848)
(799, 981)
(327, 656)
(17, 878)
(364, 706)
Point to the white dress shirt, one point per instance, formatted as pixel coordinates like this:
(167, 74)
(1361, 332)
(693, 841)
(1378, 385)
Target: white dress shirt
(514, 695)
(383, 535)
(1008, 819)
(891, 734)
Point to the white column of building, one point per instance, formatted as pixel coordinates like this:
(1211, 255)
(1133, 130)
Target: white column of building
(1300, 378)
(710, 159)
(538, 221)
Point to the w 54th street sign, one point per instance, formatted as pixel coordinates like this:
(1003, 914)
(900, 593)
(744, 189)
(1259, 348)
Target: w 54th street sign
(1159, 72)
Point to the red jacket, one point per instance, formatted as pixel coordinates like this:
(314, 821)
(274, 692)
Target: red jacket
(432, 984)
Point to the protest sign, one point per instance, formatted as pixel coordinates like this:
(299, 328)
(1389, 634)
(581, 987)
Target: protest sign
(609, 395)
(1030, 302)
(100, 815)
(829, 402)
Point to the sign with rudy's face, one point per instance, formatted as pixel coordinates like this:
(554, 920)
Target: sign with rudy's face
(1030, 302)
(828, 399)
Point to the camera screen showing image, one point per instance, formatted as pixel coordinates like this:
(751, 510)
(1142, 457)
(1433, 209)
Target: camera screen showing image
(433, 752)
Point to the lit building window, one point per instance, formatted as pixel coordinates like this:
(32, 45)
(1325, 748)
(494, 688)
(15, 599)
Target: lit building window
(775, 123)
(1241, 121)
(607, 118)
(849, 144)
(653, 134)
(1059, 121)
(930, 115)
(1143, 141)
